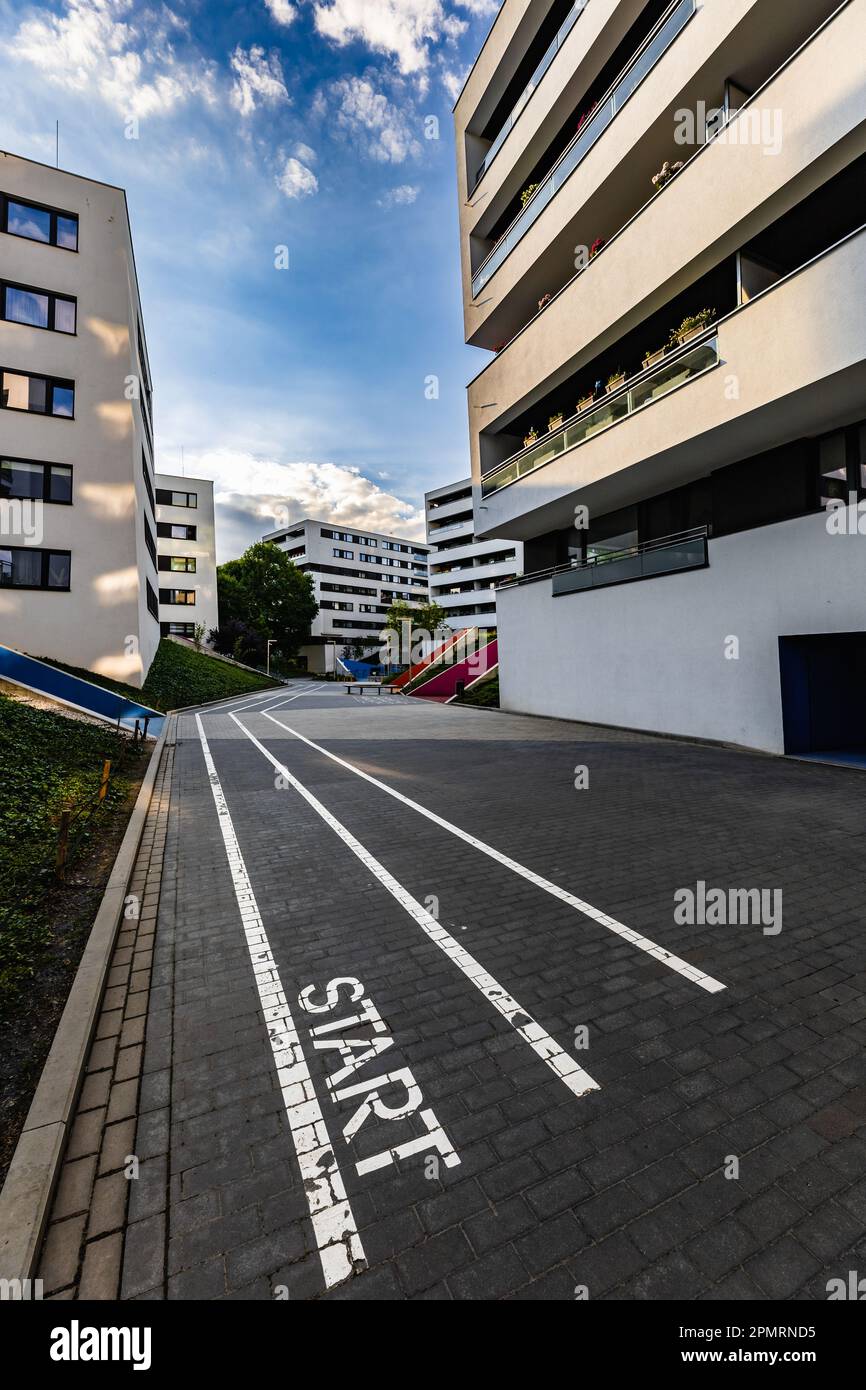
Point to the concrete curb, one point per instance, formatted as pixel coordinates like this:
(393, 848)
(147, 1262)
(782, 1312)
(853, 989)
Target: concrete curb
(26, 1196)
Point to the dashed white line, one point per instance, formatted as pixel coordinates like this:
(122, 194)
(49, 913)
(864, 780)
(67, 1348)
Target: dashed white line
(337, 1239)
(634, 938)
(578, 1081)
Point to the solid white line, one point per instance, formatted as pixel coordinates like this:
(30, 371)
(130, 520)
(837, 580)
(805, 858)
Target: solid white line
(642, 943)
(336, 1233)
(547, 1048)
(250, 701)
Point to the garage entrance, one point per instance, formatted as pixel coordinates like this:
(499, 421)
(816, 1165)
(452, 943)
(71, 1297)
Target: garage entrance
(824, 695)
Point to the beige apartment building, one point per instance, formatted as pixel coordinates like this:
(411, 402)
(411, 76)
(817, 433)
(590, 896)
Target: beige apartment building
(663, 242)
(186, 555)
(78, 558)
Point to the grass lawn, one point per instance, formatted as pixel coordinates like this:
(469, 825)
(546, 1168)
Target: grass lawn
(48, 762)
(180, 676)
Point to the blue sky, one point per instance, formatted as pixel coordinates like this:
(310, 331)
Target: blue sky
(301, 124)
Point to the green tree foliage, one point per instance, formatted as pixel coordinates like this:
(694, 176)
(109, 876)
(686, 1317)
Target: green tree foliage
(265, 591)
(428, 617)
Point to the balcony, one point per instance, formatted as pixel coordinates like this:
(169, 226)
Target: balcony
(643, 390)
(654, 46)
(686, 550)
(561, 35)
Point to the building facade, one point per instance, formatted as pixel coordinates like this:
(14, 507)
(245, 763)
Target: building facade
(356, 578)
(663, 243)
(186, 555)
(78, 559)
(465, 571)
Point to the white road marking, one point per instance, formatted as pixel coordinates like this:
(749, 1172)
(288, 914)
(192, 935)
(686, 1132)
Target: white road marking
(250, 701)
(547, 1048)
(337, 1239)
(642, 943)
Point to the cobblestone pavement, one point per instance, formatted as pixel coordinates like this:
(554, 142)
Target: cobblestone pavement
(382, 1062)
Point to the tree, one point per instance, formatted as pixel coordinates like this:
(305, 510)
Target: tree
(266, 593)
(427, 617)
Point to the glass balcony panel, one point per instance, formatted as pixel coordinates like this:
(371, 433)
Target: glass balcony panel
(607, 412)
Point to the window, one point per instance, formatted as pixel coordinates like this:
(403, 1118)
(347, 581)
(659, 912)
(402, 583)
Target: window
(343, 554)
(169, 531)
(176, 499)
(177, 595)
(152, 605)
(37, 308)
(41, 395)
(177, 629)
(42, 482)
(178, 564)
(148, 485)
(149, 542)
(24, 567)
(38, 223)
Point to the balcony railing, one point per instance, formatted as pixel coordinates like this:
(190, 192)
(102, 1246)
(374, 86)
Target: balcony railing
(678, 368)
(643, 61)
(561, 35)
(683, 550)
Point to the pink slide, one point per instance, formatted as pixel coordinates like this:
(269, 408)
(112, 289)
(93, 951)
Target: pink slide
(443, 685)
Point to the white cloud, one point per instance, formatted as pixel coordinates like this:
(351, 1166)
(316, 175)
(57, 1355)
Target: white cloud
(401, 196)
(399, 28)
(296, 180)
(281, 11)
(133, 67)
(305, 153)
(453, 82)
(258, 79)
(257, 495)
(369, 115)
(482, 8)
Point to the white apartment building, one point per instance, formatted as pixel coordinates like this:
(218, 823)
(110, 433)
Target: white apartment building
(78, 560)
(186, 555)
(663, 241)
(356, 578)
(465, 571)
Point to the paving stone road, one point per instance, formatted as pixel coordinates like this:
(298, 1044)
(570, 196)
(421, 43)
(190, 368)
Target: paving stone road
(466, 1087)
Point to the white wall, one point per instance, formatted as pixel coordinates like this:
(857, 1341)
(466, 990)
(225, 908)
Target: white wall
(651, 654)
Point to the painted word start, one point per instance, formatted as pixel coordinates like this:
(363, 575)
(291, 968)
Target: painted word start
(357, 1051)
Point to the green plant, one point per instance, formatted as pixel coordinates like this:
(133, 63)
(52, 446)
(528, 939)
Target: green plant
(530, 436)
(693, 322)
(615, 378)
(527, 193)
(555, 421)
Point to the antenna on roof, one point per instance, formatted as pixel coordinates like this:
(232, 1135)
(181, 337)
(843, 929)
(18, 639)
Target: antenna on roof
(57, 144)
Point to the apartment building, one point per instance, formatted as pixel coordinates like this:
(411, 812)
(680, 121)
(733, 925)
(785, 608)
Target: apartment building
(663, 244)
(186, 555)
(78, 559)
(356, 578)
(465, 571)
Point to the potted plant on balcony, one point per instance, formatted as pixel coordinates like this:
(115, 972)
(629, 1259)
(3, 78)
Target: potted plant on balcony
(586, 400)
(527, 193)
(596, 246)
(666, 173)
(693, 324)
(582, 120)
(554, 422)
(651, 357)
(530, 436)
(544, 301)
(614, 380)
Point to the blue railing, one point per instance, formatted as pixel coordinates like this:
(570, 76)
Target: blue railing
(562, 34)
(644, 60)
(80, 694)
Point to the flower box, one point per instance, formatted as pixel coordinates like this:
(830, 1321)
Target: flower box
(614, 381)
(586, 401)
(529, 438)
(555, 421)
(652, 357)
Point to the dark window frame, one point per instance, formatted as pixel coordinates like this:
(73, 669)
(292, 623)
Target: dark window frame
(7, 198)
(51, 382)
(46, 479)
(164, 597)
(51, 295)
(45, 553)
(165, 528)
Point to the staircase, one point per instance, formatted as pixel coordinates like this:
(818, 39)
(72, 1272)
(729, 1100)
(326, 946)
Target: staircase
(480, 662)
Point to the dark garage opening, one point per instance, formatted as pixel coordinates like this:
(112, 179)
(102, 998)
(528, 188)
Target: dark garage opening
(824, 695)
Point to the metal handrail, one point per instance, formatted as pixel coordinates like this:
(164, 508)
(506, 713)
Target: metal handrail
(642, 548)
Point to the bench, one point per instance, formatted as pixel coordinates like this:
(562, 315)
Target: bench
(360, 687)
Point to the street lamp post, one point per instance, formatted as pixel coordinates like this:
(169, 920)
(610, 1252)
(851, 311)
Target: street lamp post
(272, 642)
